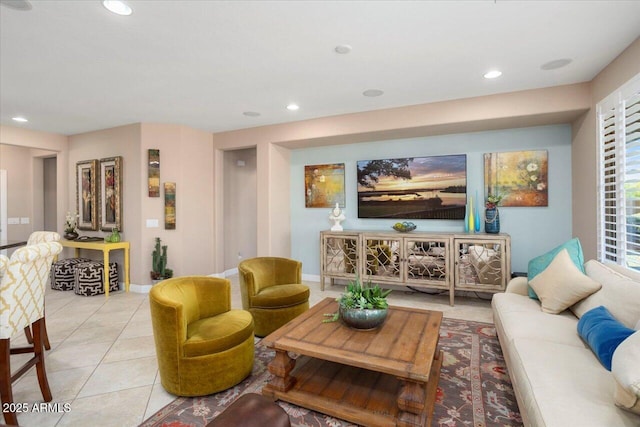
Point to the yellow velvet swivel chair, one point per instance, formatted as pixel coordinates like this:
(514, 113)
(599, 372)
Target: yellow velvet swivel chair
(202, 345)
(272, 291)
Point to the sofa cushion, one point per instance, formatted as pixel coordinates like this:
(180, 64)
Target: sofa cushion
(218, 333)
(625, 367)
(518, 316)
(562, 385)
(280, 296)
(538, 264)
(619, 294)
(562, 284)
(603, 333)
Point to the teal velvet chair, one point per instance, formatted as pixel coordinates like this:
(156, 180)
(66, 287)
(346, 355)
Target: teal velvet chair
(272, 291)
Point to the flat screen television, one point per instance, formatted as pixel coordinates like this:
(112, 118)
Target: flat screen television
(433, 187)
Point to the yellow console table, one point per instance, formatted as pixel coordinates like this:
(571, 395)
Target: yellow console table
(105, 248)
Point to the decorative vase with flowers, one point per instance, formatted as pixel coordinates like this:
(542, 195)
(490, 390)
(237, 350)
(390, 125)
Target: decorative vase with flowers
(70, 224)
(362, 306)
(492, 214)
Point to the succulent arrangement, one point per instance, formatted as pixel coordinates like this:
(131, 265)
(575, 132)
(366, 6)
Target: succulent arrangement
(493, 200)
(358, 295)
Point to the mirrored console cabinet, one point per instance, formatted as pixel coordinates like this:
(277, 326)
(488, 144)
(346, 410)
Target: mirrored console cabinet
(445, 261)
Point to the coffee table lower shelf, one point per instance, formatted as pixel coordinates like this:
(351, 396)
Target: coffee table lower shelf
(357, 395)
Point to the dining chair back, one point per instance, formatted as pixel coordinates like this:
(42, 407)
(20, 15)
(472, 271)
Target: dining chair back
(22, 288)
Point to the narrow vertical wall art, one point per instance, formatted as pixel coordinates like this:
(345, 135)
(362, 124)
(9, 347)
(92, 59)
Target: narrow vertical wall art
(154, 172)
(169, 205)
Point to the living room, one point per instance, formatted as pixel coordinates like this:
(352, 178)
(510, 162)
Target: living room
(216, 227)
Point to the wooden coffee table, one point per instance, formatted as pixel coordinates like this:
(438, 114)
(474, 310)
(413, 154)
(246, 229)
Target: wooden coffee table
(385, 377)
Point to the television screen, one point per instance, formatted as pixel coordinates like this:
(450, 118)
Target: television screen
(432, 187)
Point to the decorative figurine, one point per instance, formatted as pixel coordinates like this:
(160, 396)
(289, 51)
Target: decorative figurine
(337, 217)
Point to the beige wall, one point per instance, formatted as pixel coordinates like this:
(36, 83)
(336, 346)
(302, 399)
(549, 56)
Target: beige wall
(40, 145)
(585, 147)
(240, 206)
(120, 141)
(19, 165)
(186, 158)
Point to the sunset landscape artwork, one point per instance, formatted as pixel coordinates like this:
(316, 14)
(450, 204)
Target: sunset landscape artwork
(432, 187)
(520, 177)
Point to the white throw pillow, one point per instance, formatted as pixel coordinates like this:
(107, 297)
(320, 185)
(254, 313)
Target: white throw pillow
(625, 367)
(619, 294)
(562, 284)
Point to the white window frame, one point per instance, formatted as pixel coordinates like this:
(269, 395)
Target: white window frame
(618, 241)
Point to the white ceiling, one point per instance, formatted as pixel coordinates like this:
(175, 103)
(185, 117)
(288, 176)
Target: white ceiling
(72, 66)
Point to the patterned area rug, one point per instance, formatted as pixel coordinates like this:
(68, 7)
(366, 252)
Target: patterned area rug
(474, 388)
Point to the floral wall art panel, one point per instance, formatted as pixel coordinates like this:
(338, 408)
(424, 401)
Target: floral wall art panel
(87, 179)
(324, 185)
(111, 193)
(521, 177)
(169, 205)
(154, 172)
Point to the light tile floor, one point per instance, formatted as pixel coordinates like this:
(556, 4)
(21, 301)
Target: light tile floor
(103, 364)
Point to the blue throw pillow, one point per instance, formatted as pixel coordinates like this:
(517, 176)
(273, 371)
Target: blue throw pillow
(603, 333)
(538, 264)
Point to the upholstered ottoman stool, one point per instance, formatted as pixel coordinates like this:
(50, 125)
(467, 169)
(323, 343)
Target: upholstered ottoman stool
(252, 410)
(89, 278)
(62, 273)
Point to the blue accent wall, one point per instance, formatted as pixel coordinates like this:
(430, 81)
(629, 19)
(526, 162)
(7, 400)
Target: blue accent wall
(533, 230)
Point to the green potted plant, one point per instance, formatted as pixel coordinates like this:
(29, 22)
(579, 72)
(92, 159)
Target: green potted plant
(362, 305)
(492, 214)
(159, 262)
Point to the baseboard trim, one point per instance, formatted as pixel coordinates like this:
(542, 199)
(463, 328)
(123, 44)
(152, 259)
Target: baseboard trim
(139, 289)
(144, 289)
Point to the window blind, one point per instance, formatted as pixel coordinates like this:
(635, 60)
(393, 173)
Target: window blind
(618, 118)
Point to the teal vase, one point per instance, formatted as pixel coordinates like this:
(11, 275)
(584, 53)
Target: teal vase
(492, 221)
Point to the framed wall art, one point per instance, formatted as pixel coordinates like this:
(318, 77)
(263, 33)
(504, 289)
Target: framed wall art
(169, 205)
(111, 193)
(324, 185)
(87, 194)
(433, 187)
(154, 172)
(520, 177)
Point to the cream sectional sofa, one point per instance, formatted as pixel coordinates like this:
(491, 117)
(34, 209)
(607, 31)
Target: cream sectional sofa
(557, 379)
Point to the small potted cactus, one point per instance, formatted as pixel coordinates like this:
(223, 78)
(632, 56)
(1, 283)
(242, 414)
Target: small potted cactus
(159, 262)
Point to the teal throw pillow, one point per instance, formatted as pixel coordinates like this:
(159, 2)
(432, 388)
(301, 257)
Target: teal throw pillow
(538, 264)
(603, 333)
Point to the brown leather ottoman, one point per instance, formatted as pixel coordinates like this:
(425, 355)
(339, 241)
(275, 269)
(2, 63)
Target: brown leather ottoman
(252, 410)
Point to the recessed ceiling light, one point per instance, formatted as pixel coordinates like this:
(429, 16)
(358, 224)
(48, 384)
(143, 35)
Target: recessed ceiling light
(19, 119)
(293, 107)
(16, 4)
(343, 49)
(493, 74)
(118, 7)
(555, 64)
(251, 113)
(372, 92)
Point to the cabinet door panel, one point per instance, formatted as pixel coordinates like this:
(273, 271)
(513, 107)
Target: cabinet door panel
(382, 258)
(427, 262)
(340, 256)
(481, 265)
